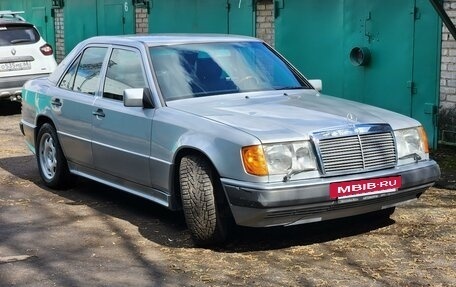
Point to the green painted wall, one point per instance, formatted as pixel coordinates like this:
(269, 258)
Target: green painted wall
(403, 38)
(87, 18)
(202, 16)
(115, 17)
(80, 22)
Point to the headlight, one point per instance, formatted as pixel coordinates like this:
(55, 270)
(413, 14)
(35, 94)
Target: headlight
(412, 144)
(279, 158)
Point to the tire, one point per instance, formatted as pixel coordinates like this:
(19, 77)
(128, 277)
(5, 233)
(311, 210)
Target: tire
(203, 201)
(52, 163)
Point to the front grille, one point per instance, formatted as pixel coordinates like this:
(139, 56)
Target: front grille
(357, 153)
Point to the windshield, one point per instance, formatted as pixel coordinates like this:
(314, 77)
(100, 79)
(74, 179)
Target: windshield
(195, 70)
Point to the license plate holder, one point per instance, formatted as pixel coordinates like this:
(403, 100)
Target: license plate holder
(15, 66)
(347, 189)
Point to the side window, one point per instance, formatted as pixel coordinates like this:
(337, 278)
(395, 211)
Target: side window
(124, 72)
(88, 73)
(68, 80)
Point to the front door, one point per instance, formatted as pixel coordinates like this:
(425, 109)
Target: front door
(121, 135)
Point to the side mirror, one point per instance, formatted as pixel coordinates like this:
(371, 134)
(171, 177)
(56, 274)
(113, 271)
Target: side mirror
(317, 84)
(137, 98)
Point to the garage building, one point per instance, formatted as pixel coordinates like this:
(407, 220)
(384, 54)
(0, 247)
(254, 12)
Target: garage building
(392, 54)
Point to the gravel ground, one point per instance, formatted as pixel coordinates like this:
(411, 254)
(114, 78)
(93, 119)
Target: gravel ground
(93, 235)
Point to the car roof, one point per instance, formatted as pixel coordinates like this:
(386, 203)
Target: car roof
(169, 39)
(149, 40)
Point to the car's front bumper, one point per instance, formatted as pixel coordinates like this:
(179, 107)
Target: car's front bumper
(303, 201)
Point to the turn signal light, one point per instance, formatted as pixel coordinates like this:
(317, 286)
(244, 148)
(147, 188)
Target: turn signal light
(424, 139)
(254, 160)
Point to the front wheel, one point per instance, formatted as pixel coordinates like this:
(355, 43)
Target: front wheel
(202, 201)
(52, 164)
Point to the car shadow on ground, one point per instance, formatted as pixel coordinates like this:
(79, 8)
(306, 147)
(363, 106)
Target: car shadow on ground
(167, 228)
(8, 108)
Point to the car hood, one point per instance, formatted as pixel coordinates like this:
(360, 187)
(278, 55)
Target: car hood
(288, 115)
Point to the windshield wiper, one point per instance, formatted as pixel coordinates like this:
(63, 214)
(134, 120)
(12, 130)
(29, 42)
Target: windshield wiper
(20, 41)
(290, 88)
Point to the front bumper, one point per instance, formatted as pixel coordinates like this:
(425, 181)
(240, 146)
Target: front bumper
(303, 201)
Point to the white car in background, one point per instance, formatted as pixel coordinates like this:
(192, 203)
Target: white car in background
(23, 54)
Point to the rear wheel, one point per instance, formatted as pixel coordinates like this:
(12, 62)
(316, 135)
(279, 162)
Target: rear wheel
(202, 201)
(52, 164)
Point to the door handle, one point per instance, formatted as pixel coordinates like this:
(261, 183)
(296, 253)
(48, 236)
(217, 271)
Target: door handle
(99, 113)
(56, 102)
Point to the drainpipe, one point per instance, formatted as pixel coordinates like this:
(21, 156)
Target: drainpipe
(444, 16)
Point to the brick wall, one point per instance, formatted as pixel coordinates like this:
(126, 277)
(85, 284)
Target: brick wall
(447, 112)
(265, 21)
(142, 21)
(448, 65)
(59, 48)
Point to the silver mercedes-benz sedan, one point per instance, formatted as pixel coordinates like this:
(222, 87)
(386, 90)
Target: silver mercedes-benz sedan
(222, 127)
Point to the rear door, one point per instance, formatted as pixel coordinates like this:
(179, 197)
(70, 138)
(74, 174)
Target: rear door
(72, 105)
(121, 135)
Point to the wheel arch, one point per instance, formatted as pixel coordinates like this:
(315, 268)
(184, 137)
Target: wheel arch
(40, 121)
(181, 153)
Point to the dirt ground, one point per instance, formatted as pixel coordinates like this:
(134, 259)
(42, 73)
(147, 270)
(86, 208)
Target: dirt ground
(93, 235)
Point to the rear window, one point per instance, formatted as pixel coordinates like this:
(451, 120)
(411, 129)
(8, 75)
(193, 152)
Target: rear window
(18, 34)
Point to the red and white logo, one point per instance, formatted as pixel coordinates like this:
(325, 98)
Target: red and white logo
(364, 187)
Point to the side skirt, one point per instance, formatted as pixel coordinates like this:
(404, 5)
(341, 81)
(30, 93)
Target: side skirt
(146, 192)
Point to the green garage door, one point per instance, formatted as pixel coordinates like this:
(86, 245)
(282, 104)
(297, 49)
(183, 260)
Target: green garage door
(88, 18)
(80, 21)
(115, 17)
(395, 48)
(202, 16)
